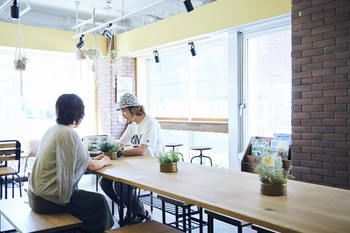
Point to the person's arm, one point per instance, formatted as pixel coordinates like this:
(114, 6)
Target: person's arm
(134, 151)
(95, 164)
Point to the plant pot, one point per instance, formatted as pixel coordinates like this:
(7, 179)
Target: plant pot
(111, 155)
(273, 189)
(168, 167)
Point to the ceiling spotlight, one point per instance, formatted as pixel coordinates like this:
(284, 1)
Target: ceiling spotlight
(192, 49)
(15, 10)
(107, 32)
(188, 5)
(81, 42)
(156, 56)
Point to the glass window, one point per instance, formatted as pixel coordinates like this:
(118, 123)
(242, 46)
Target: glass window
(217, 141)
(183, 86)
(47, 76)
(268, 83)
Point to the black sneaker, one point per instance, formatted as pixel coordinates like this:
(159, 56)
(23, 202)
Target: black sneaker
(142, 218)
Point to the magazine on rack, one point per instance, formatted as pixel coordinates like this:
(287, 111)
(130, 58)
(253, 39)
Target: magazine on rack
(281, 143)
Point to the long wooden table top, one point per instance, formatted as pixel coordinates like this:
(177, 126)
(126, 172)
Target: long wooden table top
(306, 207)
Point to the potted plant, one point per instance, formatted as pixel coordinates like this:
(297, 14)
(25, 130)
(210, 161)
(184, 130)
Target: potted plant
(168, 161)
(110, 149)
(272, 175)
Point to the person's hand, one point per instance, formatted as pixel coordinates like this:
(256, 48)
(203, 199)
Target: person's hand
(98, 157)
(106, 161)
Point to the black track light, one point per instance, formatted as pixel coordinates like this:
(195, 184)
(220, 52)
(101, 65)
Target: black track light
(107, 32)
(156, 56)
(188, 5)
(81, 42)
(192, 49)
(15, 10)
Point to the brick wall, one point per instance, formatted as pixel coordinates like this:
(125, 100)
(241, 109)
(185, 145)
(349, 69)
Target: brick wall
(321, 91)
(107, 73)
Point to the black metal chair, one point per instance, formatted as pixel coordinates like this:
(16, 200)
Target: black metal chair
(232, 221)
(10, 165)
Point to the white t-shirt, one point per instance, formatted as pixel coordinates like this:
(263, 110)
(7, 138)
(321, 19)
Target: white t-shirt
(147, 132)
(60, 163)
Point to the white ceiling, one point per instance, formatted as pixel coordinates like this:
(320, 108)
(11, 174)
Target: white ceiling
(61, 14)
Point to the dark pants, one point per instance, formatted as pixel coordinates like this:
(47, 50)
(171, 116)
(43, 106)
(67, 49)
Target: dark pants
(113, 190)
(91, 208)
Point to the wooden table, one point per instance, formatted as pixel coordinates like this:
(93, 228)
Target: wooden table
(306, 208)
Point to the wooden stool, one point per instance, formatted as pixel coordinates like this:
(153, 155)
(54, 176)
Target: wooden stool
(173, 146)
(201, 156)
(23, 219)
(235, 222)
(146, 227)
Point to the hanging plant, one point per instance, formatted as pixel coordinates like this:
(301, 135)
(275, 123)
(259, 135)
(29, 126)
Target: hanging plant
(20, 61)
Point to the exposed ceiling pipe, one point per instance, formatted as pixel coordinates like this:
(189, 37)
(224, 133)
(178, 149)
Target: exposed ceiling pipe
(25, 10)
(117, 19)
(7, 4)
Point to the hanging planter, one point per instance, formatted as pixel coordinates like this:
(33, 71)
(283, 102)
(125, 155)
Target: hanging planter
(20, 61)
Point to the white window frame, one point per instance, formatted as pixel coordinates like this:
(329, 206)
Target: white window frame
(237, 86)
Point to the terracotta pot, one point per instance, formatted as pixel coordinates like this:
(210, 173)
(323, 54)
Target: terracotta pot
(273, 189)
(168, 167)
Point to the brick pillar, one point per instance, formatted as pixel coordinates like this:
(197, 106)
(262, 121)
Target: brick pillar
(107, 73)
(321, 91)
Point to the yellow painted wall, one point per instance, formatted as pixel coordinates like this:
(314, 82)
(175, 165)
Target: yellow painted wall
(219, 15)
(46, 39)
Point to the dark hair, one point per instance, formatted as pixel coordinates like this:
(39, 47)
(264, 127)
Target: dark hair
(138, 111)
(69, 109)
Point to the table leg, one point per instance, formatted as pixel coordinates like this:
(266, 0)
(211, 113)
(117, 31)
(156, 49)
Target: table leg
(121, 206)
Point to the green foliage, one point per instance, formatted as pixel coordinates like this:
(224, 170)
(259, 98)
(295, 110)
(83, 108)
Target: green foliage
(108, 147)
(169, 157)
(270, 170)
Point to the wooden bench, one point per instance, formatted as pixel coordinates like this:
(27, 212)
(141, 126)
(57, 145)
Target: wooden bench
(23, 219)
(146, 227)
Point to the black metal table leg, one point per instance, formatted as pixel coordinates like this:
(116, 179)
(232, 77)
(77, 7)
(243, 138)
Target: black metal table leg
(5, 187)
(184, 219)
(163, 212)
(121, 206)
(129, 207)
(200, 220)
(210, 224)
(189, 219)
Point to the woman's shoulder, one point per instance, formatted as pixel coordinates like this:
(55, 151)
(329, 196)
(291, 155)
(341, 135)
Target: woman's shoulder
(65, 131)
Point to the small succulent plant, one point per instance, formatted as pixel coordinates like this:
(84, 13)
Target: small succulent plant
(169, 157)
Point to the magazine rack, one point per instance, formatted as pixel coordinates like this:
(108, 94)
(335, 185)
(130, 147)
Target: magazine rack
(249, 161)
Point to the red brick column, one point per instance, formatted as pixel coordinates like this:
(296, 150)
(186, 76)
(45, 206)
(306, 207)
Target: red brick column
(321, 91)
(107, 74)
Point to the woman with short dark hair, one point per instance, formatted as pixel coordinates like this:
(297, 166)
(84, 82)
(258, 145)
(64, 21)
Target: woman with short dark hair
(61, 161)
